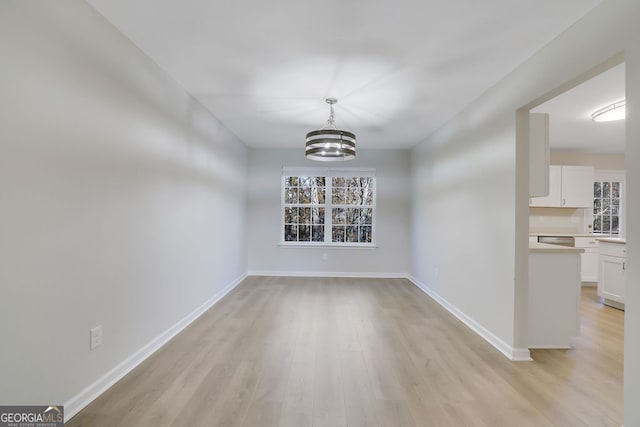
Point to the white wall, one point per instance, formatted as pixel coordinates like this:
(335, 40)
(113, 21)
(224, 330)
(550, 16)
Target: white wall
(470, 177)
(122, 201)
(264, 210)
(559, 220)
(597, 160)
(463, 219)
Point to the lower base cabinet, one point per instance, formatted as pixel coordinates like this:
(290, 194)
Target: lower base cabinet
(611, 277)
(589, 258)
(589, 265)
(553, 299)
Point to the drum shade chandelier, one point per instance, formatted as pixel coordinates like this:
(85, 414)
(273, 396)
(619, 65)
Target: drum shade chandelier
(329, 143)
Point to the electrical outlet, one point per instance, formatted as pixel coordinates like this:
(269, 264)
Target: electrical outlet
(96, 337)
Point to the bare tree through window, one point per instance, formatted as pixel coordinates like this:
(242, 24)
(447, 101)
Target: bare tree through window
(606, 207)
(328, 209)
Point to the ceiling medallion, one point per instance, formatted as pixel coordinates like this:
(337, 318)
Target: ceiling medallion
(615, 111)
(329, 143)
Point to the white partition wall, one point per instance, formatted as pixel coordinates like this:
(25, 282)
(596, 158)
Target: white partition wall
(122, 204)
(469, 178)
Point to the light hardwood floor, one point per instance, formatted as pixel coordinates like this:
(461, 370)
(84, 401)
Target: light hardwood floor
(361, 352)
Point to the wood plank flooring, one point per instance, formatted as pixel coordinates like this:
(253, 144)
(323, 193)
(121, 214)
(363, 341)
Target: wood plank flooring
(361, 352)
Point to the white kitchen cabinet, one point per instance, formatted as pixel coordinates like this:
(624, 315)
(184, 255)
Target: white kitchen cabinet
(611, 275)
(553, 296)
(589, 265)
(577, 186)
(569, 187)
(589, 259)
(554, 197)
(538, 154)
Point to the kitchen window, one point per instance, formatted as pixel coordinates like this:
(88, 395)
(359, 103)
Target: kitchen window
(328, 207)
(608, 203)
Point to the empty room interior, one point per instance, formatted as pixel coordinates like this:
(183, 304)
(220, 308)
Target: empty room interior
(410, 213)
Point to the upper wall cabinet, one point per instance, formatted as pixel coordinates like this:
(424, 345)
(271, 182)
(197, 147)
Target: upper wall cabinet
(577, 186)
(554, 197)
(569, 187)
(538, 154)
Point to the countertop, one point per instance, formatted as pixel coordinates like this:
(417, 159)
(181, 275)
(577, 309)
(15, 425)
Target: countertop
(569, 235)
(612, 240)
(537, 248)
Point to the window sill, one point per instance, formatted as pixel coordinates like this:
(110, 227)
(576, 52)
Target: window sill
(327, 246)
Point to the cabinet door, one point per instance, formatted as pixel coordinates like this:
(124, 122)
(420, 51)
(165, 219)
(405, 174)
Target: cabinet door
(577, 187)
(589, 265)
(538, 154)
(589, 259)
(611, 278)
(554, 198)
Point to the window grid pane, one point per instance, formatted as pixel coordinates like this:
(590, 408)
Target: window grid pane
(606, 207)
(350, 200)
(302, 197)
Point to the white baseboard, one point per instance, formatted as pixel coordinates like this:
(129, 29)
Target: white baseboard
(550, 347)
(514, 354)
(89, 394)
(520, 355)
(328, 274)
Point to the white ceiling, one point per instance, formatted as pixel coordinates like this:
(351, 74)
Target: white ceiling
(570, 124)
(400, 69)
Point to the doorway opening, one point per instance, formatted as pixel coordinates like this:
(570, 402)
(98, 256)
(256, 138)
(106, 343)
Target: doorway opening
(575, 140)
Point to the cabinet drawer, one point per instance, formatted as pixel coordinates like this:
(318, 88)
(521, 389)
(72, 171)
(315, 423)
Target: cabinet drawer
(613, 249)
(586, 242)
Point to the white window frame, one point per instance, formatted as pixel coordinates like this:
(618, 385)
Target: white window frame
(329, 173)
(602, 175)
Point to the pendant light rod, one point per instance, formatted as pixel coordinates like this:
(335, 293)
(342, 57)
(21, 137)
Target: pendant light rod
(332, 114)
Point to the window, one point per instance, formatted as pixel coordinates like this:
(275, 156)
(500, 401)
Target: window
(607, 204)
(328, 206)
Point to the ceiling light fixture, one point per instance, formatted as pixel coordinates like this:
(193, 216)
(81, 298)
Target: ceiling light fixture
(615, 111)
(329, 143)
